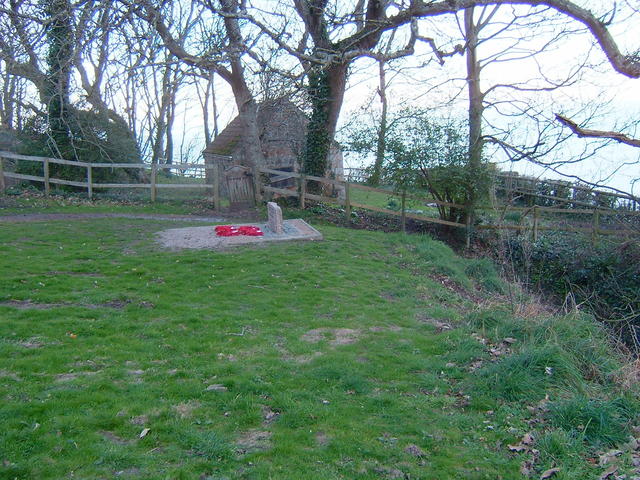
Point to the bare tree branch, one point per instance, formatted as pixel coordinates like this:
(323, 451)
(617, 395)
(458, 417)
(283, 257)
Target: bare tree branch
(586, 132)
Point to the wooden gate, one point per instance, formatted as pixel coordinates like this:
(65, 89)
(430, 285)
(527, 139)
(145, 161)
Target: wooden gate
(239, 180)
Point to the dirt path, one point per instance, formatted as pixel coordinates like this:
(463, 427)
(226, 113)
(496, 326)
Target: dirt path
(42, 217)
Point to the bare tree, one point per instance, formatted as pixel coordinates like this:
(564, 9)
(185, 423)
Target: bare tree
(339, 35)
(224, 59)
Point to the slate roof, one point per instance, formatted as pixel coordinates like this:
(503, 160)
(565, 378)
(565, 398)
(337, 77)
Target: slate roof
(227, 140)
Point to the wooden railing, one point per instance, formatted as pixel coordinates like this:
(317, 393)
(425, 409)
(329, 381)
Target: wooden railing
(89, 184)
(301, 192)
(574, 194)
(595, 227)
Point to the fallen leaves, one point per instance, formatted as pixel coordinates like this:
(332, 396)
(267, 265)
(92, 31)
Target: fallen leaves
(414, 450)
(607, 457)
(549, 473)
(216, 387)
(609, 472)
(526, 446)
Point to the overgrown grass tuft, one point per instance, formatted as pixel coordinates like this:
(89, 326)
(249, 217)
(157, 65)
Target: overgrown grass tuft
(528, 374)
(602, 423)
(485, 274)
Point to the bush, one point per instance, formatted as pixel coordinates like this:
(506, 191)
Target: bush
(96, 139)
(423, 153)
(605, 278)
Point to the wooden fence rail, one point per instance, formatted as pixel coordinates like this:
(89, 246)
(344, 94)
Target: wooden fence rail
(302, 193)
(89, 184)
(536, 211)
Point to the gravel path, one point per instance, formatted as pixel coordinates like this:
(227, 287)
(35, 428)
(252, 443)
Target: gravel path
(41, 217)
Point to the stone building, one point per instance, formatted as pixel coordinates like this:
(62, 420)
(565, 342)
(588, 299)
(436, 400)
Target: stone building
(282, 127)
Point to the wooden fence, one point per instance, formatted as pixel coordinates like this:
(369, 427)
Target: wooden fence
(544, 190)
(301, 192)
(558, 191)
(596, 214)
(89, 184)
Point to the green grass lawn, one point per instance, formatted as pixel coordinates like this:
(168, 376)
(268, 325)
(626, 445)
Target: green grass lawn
(391, 201)
(364, 356)
(25, 201)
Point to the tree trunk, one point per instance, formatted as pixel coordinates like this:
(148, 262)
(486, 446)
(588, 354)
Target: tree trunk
(246, 103)
(248, 114)
(58, 80)
(326, 91)
(381, 143)
(475, 110)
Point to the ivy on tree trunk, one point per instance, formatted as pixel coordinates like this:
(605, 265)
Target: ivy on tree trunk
(318, 139)
(58, 79)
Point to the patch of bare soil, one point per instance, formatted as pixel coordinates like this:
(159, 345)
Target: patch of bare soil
(31, 305)
(34, 342)
(253, 441)
(185, 410)
(112, 437)
(65, 377)
(414, 450)
(269, 415)
(386, 328)
(302, 359)
(140, 420)
(287, 356)
(440, 326)
(11, 375)
(341, 336)
(454, 287)
(322, 439)
(75, 274)
(390, 297)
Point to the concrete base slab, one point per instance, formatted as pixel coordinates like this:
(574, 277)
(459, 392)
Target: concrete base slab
(205, 237)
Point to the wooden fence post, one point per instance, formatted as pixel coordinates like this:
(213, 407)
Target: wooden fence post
(468, 231)
(216, 186)
(303, 190)
(89, 182)
(534, 231)
(347, 201)
(3, 185)
(257, 184)
(154, 174)
(47, 184)
(403, 212)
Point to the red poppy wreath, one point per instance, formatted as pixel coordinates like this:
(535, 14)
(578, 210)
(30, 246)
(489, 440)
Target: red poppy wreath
(231, 231)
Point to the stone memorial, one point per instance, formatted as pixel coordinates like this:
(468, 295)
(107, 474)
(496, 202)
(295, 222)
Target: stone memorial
(274, 230)
(274, 222)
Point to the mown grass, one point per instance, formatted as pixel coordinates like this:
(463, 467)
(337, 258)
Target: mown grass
(367, 355)
(29, 200)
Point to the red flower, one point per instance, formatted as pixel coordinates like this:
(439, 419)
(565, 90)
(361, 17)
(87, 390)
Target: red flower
(231, 231)
(250, 230)
(226, 231)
